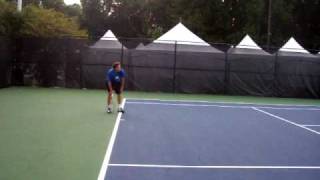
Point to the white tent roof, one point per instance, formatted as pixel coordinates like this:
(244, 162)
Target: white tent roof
(248, 43)
(108, 40)
(109, 36)
(293, 46)
(182, 35)
(140, 45)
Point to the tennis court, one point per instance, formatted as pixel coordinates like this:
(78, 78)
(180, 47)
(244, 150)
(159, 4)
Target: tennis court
(169, 140)
(58, 133)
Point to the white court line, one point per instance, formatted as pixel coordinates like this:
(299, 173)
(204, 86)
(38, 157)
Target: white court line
(107, 156)
(222, 106)
(186, 105)
(147, 99)
(310, 125)
(285, 120)
(212, 167)
(290, 108)
(186, 101)
(226, 102)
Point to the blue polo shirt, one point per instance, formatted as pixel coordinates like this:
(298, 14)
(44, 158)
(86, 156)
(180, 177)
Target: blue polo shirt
(115, 77)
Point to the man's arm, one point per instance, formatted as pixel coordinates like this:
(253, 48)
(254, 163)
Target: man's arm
(122, 84)
(110, 86)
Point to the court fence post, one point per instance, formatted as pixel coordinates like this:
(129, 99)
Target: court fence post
(121, 60)
(226, 74)
(174, 68)
(275, 75)
(81, 69)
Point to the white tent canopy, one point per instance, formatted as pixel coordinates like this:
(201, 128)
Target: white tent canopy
(293, 46)
(181, 35)
(248, 43)
(109, 36)
(108, 40)
(140, 45)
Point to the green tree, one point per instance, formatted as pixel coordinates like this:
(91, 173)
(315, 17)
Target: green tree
(208, 19)
(131, 14)
(10, 20)
(48, 23)
(282, 26)
(74, 10)
(307, 23)
(49, 4)
(94, 17)
(214, 20)
(57, 5)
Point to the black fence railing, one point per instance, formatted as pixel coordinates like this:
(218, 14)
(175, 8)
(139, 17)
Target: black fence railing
(166, 67)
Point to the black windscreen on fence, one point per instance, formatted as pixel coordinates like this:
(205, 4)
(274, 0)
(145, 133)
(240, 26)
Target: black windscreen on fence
(98, 59)
(165, 67)
(5, 57)
(251, 72)
(151, 67)
(297, 75)
(48, 62)
(199, 69)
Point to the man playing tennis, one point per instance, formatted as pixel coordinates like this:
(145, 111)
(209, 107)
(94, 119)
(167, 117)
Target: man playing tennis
(115, 79)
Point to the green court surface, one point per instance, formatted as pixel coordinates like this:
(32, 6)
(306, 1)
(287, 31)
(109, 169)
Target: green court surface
(51, 134)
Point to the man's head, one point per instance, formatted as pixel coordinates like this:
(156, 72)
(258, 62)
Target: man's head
(116, 66)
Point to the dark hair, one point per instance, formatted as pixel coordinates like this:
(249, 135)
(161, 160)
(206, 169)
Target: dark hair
(115, 64)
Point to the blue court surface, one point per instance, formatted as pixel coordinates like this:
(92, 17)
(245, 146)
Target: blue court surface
(171, 140)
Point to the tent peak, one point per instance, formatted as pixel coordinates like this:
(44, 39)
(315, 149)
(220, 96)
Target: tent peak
(248, 43)
(293, 46)
(109, 41)
(182, 35)
(109, 36)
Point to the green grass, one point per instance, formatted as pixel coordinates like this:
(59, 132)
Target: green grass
(51, 134)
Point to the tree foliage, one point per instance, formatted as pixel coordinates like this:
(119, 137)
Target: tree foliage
(214, 20)
(10, 20)
(94, 17)
(48, 23)
(39, 21)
